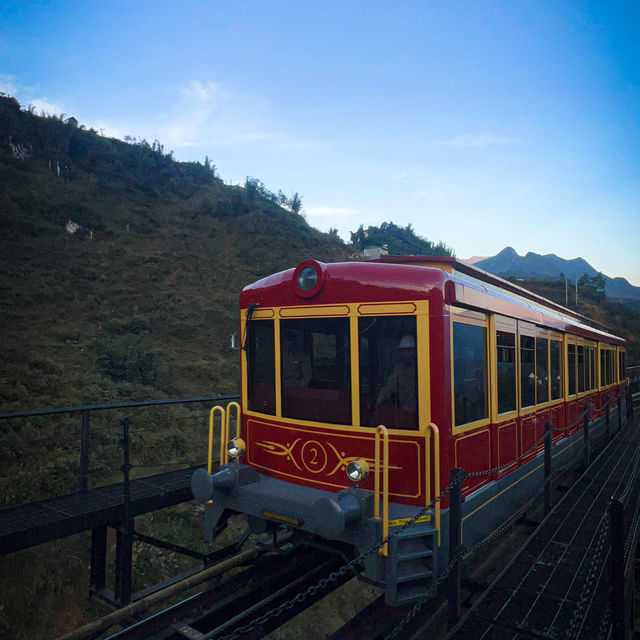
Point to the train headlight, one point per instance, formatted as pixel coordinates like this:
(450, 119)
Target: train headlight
(358, 470)
(307, 278)
(236, 448)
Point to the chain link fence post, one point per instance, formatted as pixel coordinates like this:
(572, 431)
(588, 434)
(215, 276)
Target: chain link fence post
(619, 412)
(585, 434)
(457, 477)
(548, 429)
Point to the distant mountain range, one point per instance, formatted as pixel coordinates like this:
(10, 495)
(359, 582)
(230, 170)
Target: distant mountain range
(508, 263)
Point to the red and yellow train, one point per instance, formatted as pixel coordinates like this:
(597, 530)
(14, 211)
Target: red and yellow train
(365, 383)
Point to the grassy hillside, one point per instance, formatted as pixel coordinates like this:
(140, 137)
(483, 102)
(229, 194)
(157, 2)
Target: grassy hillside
(142, 300)
(139, 302)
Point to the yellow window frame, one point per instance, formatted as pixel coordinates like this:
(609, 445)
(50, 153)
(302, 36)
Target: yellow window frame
(603, 347)
(559, 338)
(416, 308)
(531, 331)
(510, 325)
(474, 318)
(574, 340)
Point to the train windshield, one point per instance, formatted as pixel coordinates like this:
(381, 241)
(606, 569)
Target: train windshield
(315, 371)
(388, 372)
(261, 375)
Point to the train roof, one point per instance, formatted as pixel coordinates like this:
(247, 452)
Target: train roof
(384, 278)
(472, 273)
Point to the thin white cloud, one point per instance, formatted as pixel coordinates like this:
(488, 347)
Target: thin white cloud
(344, 219)
(27, 96)
(44, 105)
(210, 114)
(8, 85)
(476, 140)
(400, 176)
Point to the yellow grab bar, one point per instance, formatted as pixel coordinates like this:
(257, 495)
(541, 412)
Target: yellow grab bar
(223, 442)
(381, 430)
(236, 406)
(433, 429)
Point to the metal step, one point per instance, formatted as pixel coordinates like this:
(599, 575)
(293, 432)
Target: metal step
(416, 575)
(408, 594)
(410, 565)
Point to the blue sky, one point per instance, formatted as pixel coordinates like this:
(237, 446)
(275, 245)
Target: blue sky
(483, 124)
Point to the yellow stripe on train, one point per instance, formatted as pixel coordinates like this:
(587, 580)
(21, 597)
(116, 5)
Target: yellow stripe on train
(401, 521)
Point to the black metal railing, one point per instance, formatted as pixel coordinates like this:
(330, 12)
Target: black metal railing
(53, 434)
(633, 373)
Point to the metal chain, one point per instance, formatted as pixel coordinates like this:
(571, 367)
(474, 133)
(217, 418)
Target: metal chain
(579, 612)
(508, 524)
(603, 630)
(524, 454)
(485, 472)
(632, 476)
(575, 424)
(324, 582)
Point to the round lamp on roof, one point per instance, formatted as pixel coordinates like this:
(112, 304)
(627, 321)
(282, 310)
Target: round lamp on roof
(308, 278)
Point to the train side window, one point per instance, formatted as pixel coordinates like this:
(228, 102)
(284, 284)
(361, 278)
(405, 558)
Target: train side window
(581, 369)
(316, 369)
(611, 369)
(571, 365)
(388, 371)
(542, 370)
(623, 371)
(556, 370)
(469, 373)
(506, 359)
(261, 375)
(527, 371)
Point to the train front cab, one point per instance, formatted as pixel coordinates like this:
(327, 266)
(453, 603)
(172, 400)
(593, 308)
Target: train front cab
(317, 381)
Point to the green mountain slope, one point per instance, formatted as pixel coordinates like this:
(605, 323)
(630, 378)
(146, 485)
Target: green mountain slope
(399, 241)
(142, 299)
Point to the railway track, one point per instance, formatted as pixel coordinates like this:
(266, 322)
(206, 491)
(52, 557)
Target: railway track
(216, 601)
(236, 592)
(268, 577)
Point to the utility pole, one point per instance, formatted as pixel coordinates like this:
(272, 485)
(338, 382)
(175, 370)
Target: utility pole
(566, 291)
(576, 290)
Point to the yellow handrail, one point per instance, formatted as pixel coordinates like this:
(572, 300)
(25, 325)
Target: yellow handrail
(381, 430)
(433, 429)
(212, 413)
(236, 406)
